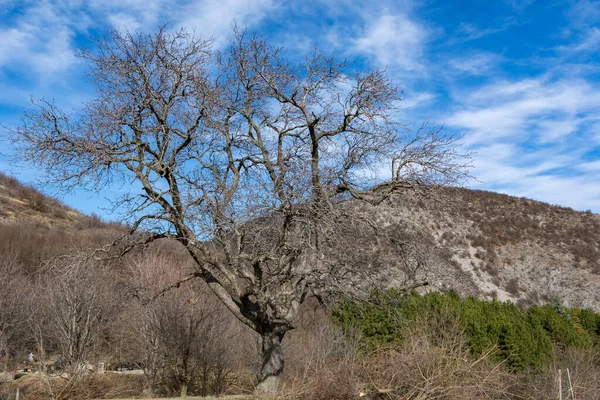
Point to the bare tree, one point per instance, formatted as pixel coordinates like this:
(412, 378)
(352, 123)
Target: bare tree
(185, 333)
(14, 290)
(246, 159)
(73, 306)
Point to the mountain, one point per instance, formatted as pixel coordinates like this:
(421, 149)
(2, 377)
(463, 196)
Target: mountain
(497, 246)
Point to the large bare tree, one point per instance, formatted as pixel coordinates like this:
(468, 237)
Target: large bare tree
(249, 160)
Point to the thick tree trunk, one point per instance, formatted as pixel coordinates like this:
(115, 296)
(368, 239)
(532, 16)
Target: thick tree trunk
(269, 377)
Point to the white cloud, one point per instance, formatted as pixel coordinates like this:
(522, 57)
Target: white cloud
(215, 17)
(475, 64)
(592, 166)
(132, 15)
(529, 109)
(468, 31)
(418, 100)
(40, 39)
(583, 13)
(528, 135)
(590, 41)
(497, 167)
(393, 40)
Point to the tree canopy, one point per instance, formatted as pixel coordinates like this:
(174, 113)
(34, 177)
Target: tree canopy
(246, 158)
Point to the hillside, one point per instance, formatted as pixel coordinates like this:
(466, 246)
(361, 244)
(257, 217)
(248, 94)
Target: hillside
(481, 243)
(493, 245)
(35, 227)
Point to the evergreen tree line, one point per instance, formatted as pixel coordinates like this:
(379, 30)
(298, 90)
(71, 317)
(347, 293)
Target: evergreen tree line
(524, 337)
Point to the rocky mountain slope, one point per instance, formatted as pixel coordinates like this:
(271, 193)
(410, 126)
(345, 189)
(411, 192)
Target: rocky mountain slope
(497, 246)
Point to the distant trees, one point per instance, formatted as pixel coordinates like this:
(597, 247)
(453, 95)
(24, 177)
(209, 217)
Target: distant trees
(521, 338)
(247, 160)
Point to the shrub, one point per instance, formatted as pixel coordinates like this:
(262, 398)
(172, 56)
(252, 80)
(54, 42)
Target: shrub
(513, 286)
(523, 337)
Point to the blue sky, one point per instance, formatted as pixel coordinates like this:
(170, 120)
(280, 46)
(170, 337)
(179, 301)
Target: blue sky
(520, 77)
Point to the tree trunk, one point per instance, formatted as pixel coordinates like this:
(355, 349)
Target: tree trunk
(183, 392)
(271, 370)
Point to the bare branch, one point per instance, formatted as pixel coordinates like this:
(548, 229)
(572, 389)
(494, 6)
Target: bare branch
(249, 161)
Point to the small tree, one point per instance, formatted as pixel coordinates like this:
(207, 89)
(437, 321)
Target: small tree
(72, 303)
(14, 291)
(247, 160)
(184, 335)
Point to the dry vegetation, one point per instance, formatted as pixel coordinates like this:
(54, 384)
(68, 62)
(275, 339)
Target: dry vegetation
(433, 362)
(499, 234)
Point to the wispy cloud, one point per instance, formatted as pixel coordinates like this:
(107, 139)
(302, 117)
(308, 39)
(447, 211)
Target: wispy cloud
(528, 138)
(133, 15)
(476, 63)
(592, 166)
(590, 41)
(583, 13)
(501, 167)
(40, 39)
(532, 109)
(393, 40)
(215, 17)
(469, 31)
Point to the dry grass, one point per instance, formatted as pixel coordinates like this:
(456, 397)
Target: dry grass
(76, 387)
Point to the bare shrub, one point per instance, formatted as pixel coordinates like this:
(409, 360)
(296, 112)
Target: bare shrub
(79, 386)
(491, 269)
(184, 338)
(434, 362)
(13, 313)
(73, 300)
(583, 365)
(512, 286)
(323, 362)
(37, 201)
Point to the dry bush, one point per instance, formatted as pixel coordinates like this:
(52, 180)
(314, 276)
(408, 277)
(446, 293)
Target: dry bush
(513, 286)
(322, 362)
(584, 368)
(183, 338)
(80, 386)
(14, 286)
(434, 362)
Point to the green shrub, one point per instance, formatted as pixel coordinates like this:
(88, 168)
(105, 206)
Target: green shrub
(524, 337)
